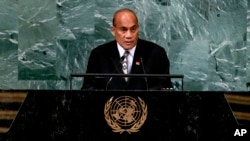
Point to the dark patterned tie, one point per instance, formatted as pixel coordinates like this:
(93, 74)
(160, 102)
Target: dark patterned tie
(125, 63)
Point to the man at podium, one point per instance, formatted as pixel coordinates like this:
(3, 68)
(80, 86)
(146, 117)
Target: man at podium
(127, 54)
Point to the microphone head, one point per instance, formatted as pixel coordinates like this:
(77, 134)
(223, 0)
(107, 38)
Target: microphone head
(141, 59)
(122, 58)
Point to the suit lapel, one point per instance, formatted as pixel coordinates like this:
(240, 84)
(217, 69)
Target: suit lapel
(115, 57)
(137, 58)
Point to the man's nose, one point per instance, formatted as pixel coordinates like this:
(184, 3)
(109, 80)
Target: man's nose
(129, 34)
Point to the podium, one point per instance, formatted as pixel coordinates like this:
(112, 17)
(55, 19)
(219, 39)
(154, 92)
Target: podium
(55, 115)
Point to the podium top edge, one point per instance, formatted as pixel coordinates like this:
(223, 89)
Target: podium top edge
(125, 75)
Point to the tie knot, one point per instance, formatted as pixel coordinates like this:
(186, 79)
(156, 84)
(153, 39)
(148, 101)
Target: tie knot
(126, 53)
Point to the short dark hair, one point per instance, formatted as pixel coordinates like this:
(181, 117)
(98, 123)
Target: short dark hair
(123, 10)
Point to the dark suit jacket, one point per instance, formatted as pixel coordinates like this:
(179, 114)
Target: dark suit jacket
(105, 59)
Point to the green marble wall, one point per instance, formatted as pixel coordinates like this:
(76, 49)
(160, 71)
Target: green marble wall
(43, 41)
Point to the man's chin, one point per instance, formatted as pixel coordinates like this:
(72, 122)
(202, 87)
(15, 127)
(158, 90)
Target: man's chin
(125, 46)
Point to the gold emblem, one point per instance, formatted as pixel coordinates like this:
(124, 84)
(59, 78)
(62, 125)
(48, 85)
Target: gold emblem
(125, 113)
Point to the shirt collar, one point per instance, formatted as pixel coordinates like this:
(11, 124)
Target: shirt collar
(122, 50)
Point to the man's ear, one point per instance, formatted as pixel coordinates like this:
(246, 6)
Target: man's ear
(113, 30)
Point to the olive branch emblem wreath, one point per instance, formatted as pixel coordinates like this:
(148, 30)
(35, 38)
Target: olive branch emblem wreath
(115, 125)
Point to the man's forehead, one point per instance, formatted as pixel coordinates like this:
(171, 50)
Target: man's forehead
(125, 26)
(125, 14)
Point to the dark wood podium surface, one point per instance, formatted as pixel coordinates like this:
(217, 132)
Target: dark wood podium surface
(55, 115)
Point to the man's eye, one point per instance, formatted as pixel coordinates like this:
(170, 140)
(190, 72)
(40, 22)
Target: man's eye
(123, 29)
(133, 29)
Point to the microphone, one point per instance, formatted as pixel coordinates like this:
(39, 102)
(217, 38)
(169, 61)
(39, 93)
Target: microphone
(144, 72)
(122, 58)
(107, 84)
(110, 79)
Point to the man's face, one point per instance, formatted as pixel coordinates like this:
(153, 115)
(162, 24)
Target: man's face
(126, 29)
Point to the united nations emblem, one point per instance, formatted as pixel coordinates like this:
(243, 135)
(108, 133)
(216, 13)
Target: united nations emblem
(125, 114)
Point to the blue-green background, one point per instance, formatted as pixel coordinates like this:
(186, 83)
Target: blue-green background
(43, 41)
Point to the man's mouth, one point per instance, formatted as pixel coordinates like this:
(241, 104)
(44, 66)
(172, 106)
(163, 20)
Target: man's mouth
(128, 42)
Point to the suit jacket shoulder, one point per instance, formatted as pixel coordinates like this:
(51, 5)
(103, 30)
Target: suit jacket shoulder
(105, 48)
(148, 45)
